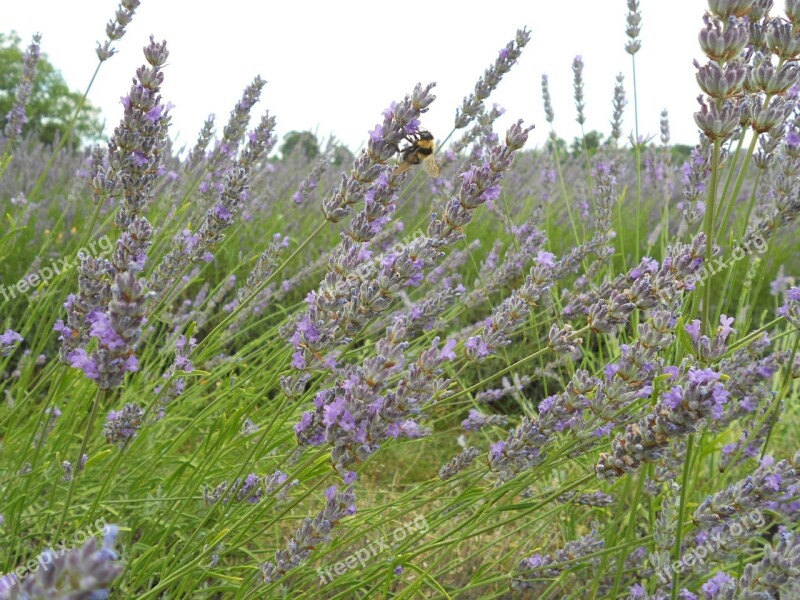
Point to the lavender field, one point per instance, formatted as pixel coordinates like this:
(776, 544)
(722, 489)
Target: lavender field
(241, 369)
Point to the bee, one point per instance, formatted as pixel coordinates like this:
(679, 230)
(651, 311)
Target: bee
(419, 150)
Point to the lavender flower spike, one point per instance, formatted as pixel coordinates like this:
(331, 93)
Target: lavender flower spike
(311, 533)
(15, 119)
(534, 574)
(122, 426)
(116, 29)
(769, 577)
(458, 463)
(677, 415)
(491, 77)
(634, 22)
(618, 105)
(577, 83)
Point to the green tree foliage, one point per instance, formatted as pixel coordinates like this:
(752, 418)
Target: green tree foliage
(305, 140)
(560, 146)
(52, 103)
(680, 153)
(593, 141)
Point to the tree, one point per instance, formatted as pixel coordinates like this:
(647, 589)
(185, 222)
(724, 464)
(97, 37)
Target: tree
(306, 140)
(52, 103)
(680, 153)
(593, 140)
(560, 146)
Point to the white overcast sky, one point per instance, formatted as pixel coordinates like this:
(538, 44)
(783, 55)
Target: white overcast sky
(332, 67)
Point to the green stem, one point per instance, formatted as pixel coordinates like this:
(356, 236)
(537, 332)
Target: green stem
(676, 552)
(709, 226)
(638, 160)
(84, 445)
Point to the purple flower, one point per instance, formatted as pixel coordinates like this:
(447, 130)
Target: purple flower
(546, 404)
(336, 413)
(304, 422)
(102, 329)
(298, 360)
(674, 397)
(717, 583)
(546, 259)
(693, 329)
(447, 350)
(498, 447)
(10, 337)
(222, 212)
(477, 346)
(603, 430)
(9, 342)
(80, 360)
(330, 492)
(637, 591)
(724, 328)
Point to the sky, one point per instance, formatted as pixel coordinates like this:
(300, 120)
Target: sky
(333, 67)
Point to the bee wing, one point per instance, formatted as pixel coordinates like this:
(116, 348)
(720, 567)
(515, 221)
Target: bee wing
(430, 166)
(401, 168)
